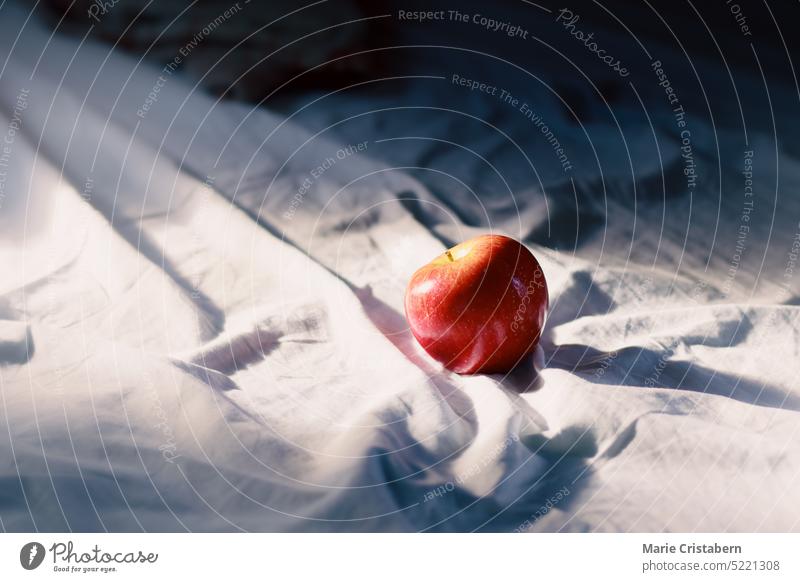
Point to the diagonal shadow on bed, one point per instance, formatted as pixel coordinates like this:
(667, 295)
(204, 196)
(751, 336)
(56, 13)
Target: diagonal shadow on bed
(648, 368)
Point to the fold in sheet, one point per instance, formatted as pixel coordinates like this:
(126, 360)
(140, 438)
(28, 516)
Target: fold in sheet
(194, 337)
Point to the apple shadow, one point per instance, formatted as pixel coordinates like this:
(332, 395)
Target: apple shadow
(525, 376)
(637, 366)
(410, 473)
(579, 298)
(393, 326)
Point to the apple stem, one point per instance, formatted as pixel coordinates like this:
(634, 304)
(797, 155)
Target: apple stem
(449, 256)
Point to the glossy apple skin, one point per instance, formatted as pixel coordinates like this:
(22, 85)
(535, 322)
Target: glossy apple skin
(480, 306)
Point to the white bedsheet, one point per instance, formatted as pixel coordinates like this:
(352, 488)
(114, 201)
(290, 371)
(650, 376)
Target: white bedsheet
(190, 338)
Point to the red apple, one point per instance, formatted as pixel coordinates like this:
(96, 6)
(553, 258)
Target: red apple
(479, 306)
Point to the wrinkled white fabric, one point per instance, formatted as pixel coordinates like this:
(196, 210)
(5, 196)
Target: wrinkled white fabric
(191, 339)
